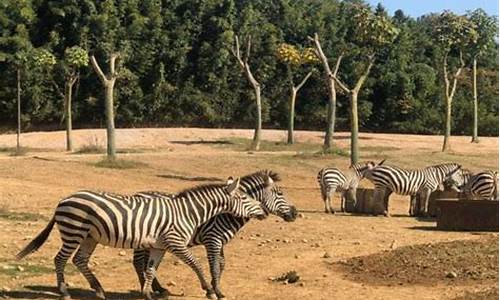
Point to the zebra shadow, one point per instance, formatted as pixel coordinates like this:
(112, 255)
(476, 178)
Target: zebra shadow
(51, 292)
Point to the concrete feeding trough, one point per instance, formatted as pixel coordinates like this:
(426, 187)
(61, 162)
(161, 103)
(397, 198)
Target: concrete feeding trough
(364, 203)
(467, 215)
(436, 195)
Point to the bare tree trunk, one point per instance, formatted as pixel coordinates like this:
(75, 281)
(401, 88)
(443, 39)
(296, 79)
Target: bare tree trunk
(109, 84)
(447, 132)
(475, 138)
(258, 121)
(354, 127)
(18, 145)
(291, 116)
(110, 119)
(332, 106)
(69, 124)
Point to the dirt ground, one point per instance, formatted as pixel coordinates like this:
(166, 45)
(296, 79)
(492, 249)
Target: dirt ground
(317, 246)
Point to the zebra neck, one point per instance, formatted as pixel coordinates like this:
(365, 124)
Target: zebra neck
(199, 208)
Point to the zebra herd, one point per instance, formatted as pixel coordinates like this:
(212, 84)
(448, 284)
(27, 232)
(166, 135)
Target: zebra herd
(421, 182)
(154, 222)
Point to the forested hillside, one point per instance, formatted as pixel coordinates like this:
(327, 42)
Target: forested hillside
(176, 67)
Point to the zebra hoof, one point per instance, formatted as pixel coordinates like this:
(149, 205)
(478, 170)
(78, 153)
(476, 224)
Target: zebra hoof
(65, 297)
(211, 295)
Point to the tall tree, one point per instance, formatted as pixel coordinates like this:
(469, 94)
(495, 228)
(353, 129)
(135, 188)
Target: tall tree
(332, 92)
(109, 85)
(487, 29)
(245, 67)
(452, 32)
(293, 58)
(74, 58)
(370, 33)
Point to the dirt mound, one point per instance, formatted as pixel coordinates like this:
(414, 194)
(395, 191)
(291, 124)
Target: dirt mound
(456, 262)
(490, 294)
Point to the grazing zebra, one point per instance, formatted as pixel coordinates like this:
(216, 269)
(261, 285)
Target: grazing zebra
(332, 180)
(480, 186)
(217, 232)
(86, 219)
(392, 179)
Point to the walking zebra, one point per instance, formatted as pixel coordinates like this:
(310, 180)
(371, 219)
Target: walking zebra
(332, 180)
(392, 179)
(86, 219)
(480, 186)
(217, 232)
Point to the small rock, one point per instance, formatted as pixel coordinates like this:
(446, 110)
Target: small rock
(297, 256)
(258, 235)
(317, 245)
(20, 268)
(286, 241)
(393, 244)
(325, 275)
(356, 243)
(452, 274)
(171, 283)
(268, 241)
(6, 289)
(301, 215)
(302, 284)
(304, 241)
(122, 253)
(326, 255)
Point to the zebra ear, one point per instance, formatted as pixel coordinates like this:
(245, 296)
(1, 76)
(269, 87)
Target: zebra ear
(268, 181)
(381, 162)
(233, 186)
(230, 180)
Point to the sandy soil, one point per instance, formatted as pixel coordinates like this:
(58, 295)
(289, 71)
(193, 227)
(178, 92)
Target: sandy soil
(31, 185)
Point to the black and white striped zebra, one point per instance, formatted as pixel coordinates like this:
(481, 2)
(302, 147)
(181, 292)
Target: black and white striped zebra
(221, 229)
(479, 186)
(86, 219)
(332, 180)
(392, 179)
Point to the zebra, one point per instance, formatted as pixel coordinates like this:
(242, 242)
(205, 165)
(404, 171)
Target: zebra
(332, 180)
(392, 179)
(88, 218)
(217, 232)
(480, 186)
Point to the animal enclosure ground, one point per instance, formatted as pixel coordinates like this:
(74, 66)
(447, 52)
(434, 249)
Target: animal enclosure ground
(313, 246)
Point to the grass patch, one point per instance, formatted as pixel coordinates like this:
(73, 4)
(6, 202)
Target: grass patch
(119, 164)
(323, 154)
(242, 144)
(13, 269)
(19, 216)
(379, 148)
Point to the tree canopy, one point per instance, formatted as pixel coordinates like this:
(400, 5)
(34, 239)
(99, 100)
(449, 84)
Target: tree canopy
(176, 67)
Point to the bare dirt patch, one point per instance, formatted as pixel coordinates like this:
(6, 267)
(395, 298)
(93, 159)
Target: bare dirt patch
(457, 262)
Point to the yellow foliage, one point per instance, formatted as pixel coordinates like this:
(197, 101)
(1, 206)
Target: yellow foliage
(289, 54)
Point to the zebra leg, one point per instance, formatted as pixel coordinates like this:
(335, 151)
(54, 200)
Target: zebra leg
(183, 253)
(141, 257)
(426, 194)
(387, 193)
(329, 195)
(60, 263)
(81, 261)
(214, 253)
(155, 256)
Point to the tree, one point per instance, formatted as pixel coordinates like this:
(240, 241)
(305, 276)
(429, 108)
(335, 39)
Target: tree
(369, 34)
(452, 32)
(294, 58)
(109, 84)
(486, 28)
(245, 67)
(332, 92)
(74, 58)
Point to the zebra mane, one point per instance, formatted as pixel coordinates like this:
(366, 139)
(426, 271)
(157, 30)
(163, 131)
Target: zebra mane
(263, 173)
(200, 188)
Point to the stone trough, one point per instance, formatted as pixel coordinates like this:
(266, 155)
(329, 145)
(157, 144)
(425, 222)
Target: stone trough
(467, 215)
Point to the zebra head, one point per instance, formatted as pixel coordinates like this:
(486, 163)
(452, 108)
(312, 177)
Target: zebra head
(360, 169)
(240, 204)
(457, 180)
(262, 186)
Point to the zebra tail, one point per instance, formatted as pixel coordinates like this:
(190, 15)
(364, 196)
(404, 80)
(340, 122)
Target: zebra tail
(38, 241)
(495, 185)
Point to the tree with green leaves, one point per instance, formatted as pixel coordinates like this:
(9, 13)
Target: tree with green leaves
(452, 33)
(369, 34)
(293, 58)
(245, 67)
(74, 58)
(487, 29)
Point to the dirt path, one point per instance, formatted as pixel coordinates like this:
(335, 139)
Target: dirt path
(31, 186)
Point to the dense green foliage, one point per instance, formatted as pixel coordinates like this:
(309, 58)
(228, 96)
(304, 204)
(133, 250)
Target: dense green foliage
(176, 67)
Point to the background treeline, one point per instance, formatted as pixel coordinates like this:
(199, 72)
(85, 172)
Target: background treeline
(177, 69)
